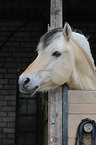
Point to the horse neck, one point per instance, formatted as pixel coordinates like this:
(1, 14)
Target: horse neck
(83, 75)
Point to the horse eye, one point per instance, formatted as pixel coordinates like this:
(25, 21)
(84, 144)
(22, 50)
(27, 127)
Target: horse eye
(56, 53)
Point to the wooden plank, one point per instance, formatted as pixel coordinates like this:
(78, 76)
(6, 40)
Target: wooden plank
(73, 122)
(81, 105)
(55, 96)
(82, 109)
(64, 114)
(55, 117)
(86, 141)
(81, 97)
(56, 18)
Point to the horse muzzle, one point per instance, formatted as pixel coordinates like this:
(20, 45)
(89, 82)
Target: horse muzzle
(26, 87)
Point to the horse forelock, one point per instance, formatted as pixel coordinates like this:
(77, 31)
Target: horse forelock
(48, 38)
(78, 38)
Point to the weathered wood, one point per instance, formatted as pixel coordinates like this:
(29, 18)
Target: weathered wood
(55, 96)
(64, 114)
(81, 97)
(81, 105)
(56, 17)
(86, 141)
(74, 121)
(55, 117)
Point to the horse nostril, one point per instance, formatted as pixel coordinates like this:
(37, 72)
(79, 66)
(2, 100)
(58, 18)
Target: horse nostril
(26, 81)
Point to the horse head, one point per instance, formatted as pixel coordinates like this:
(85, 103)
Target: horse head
(63, 57)
(53, 65)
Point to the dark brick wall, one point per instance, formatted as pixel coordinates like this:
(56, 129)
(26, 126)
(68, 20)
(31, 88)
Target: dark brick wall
(17, 53)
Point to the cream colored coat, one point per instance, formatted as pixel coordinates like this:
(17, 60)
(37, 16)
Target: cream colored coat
(75, 65)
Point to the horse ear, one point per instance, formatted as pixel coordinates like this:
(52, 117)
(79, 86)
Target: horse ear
(67, 31)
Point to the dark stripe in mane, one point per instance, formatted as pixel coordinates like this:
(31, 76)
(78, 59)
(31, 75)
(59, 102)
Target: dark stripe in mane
(50, 36)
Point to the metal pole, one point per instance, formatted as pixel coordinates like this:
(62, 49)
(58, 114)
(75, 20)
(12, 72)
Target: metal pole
(64, 114)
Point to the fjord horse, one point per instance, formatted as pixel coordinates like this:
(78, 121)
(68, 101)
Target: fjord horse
(64, 56)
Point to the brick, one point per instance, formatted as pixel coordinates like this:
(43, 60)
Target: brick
(0, 118)
(11, 65)
(12, 70)
(19, 54)
(8, 108)
(4, 28)
(4, 92)
(22, 34)
(15, 44)
(10, 98)
(17, 59)
(9, 86)
(9, 59)
(10, 76)
(3, 70)
(2, 125)
(27, 39)
(8, 119)
(2, 23)
(11, 103)
(1, 76)
(1, 64)
(1, 86)
(3, 136)
(12, 39)
(3, 81)
(4, 34)
(13, 81)
(5, 49)
(1, 97)
(3, 113)
(11, 114)
(35, 34)
(12, 92)
(12, 49)
(3, 54)
(8, 130)
(19, 39)
(11, 136)
(25, 59)
(13, 23)
(8, 142)
(2, 59)
(3, 103)
(3, 38)
(27, 44)
(12, 124)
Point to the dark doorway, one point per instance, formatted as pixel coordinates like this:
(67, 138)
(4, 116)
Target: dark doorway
(29, 122)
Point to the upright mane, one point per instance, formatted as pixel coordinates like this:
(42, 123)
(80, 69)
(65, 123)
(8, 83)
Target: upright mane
(83, 44)
(49, 37)
(64, 56)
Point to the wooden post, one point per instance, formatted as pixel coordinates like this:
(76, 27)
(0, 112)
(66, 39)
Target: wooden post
(55, 96)
(64, 114)
(56, 19)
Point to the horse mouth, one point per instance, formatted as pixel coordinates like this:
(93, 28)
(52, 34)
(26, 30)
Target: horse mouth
(29, 92)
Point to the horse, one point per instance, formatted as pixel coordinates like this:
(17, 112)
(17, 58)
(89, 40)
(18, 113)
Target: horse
(64, 56)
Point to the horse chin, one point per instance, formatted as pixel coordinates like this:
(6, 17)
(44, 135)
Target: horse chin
(30, 92)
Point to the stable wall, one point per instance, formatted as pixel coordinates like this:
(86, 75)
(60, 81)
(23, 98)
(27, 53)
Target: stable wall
(16, 55)
(81, 105)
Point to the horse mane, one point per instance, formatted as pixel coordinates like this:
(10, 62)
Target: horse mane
(49, 37)
(81, 41)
